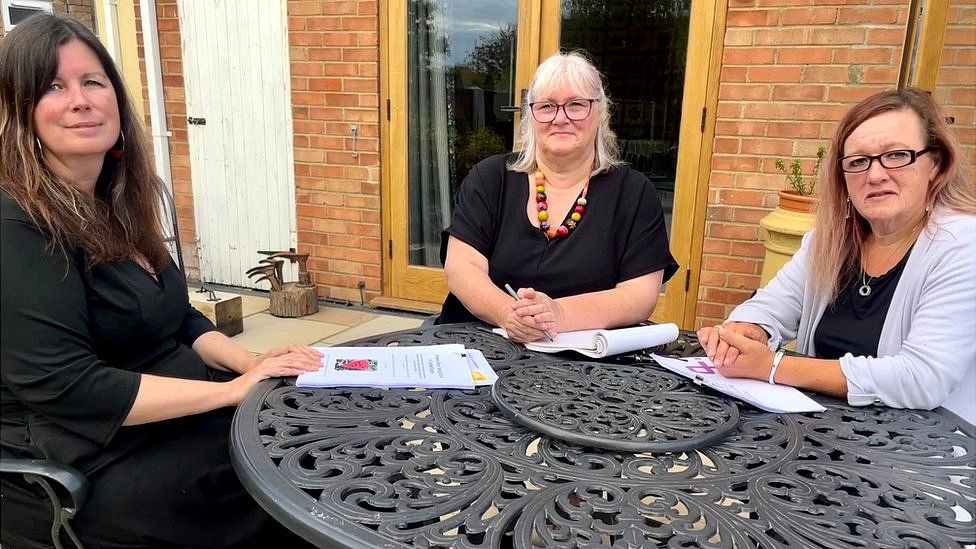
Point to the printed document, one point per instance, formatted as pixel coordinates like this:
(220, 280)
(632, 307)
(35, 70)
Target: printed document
(762, 395)
(432, 366)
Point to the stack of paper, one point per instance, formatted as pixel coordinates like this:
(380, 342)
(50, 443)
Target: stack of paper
(762, 395)
(432, 367)
(602, 343)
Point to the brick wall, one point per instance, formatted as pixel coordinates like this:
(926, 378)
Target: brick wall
(82, 10)
(171, 61)
(956, 83)
(334, 54)
(791, 68)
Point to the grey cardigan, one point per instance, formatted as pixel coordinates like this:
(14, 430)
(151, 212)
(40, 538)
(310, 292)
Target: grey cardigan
(927, 351)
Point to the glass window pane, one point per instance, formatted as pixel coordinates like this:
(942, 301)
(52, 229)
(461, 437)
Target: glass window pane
(18, 15)
(640, 46)
(461, 72)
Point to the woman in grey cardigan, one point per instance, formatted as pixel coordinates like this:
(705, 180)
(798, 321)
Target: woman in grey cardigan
(883, 291)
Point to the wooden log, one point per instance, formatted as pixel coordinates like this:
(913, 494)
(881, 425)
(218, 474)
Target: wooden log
(293, 300)
(227, 313)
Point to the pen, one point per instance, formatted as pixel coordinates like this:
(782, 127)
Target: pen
(511, 291)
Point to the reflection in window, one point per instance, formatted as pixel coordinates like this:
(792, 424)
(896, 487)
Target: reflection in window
(641, 47)
(460, 72)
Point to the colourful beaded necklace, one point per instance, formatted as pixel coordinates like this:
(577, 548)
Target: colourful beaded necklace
(543, 208)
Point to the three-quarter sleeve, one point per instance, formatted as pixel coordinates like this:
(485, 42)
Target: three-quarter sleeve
(48, 360)
(646, 249)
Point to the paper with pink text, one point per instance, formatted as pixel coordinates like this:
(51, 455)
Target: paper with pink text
(762, 395)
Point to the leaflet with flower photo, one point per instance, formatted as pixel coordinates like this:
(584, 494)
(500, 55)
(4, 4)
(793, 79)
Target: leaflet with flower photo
(432, 366)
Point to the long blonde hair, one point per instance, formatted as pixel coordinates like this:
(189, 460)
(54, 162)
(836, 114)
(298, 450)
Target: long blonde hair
(123, 218)
(841, 232)
(575, 71)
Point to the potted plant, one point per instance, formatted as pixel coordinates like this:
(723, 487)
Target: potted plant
(800, 195)
(786, 225)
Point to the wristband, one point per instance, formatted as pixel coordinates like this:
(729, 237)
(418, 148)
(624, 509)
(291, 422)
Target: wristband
(772, 371)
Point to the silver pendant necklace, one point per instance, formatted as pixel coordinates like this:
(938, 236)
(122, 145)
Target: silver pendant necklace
(865, 289)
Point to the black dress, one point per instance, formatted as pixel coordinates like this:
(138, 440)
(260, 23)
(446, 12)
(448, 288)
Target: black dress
(622, 234)
(74, 343)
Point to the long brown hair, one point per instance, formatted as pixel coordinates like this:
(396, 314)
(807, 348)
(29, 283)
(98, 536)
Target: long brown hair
(123, 218)
(841, 232)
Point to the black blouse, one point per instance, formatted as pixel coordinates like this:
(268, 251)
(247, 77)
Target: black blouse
(74, 341)
(622, 235)
(853, 323)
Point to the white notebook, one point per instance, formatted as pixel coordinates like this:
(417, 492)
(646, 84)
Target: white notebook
(602, 343)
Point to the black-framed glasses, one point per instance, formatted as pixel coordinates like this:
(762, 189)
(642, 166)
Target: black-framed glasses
(899, 158)
(575, 110)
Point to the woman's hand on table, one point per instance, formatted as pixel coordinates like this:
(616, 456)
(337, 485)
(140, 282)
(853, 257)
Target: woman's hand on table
(718, 350)
(303, 350)
(278, 362)
(753, 359)
(539, 311)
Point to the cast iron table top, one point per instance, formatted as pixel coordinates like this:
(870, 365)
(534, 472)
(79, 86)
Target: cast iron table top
(447, 468)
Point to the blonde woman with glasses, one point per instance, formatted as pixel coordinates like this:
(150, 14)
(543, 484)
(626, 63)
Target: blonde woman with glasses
(881, 295)
(580, 235)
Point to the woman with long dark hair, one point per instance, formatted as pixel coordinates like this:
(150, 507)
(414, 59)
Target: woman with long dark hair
(105, 366)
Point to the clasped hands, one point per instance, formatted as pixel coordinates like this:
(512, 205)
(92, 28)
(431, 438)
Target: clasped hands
(738, 349)
(533, 313)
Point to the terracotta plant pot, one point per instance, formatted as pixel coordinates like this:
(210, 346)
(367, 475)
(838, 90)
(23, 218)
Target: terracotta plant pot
(795, 202)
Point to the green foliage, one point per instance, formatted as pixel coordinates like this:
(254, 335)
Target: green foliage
(794, 175)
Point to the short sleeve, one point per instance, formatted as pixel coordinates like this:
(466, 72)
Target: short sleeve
(646, 249)
(48, 360)
(476, 206)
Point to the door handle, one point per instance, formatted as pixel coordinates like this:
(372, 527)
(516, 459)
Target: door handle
(516, 108)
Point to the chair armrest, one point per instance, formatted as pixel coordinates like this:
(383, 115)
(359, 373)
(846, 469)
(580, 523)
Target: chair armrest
(67, 477)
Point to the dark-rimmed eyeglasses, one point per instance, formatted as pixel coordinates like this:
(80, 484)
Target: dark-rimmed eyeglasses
(575, 110)
(899, 158)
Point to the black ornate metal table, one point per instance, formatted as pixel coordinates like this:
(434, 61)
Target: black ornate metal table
(447, 468)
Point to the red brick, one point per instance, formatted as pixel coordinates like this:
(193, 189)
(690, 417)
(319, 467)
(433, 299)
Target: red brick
(791, 129)
(358, 23)
(744, 92)
(874, 15)
(804, 55)
(741, 197)
(743, 282)
(809, 16)
(751, 18)
(799, 93)
(734, 232)
(770, 111)
(774, 74)
(764, 146)
(747, 56)
(826, 74)
(863, 55)
(880, 36)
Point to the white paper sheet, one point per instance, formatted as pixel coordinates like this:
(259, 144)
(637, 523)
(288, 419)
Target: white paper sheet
(602, 343)
(433, 366)
(762, 395)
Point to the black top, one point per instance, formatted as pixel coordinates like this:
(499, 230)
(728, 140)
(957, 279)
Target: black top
(622, 234)
(852, 323)
(74, 341)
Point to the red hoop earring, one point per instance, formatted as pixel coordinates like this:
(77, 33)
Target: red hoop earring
(117, 152)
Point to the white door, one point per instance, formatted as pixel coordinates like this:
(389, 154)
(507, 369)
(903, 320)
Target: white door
(236, 77)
